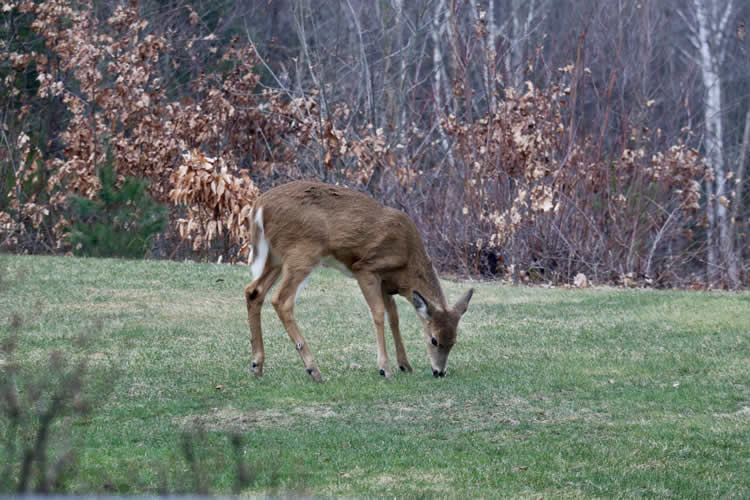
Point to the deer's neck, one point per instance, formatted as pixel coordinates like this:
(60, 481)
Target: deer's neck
(424, 279)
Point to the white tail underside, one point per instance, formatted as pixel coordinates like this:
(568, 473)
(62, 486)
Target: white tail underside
(260, 249)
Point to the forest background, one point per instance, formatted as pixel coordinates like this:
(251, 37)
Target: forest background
(535, 139)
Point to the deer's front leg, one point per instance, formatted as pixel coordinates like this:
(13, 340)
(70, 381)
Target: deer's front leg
(392, 310)
(371, 288)
(255, 294)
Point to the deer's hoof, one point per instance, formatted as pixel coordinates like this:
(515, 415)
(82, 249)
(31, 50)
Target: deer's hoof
(315, 374)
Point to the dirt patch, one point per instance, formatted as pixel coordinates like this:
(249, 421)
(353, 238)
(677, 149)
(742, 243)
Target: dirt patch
(232, 419)
(476, 416)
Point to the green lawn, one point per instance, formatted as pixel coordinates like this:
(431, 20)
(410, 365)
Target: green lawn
(549, 392)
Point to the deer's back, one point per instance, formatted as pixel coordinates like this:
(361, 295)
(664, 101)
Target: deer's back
(334, 220)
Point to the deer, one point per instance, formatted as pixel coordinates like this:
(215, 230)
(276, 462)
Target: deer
(299, 226)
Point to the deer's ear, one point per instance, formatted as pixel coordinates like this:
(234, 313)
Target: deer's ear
(463, 302)
(424, 308)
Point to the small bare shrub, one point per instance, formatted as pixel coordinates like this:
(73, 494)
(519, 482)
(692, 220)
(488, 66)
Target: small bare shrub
(35, 458)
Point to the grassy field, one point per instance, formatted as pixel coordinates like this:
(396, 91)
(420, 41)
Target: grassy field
(549, 392)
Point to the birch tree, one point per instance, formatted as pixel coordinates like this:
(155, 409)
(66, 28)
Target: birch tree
(708, 27)
(440, 84)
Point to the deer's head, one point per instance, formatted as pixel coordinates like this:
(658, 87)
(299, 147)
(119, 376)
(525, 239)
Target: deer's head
(440, 328)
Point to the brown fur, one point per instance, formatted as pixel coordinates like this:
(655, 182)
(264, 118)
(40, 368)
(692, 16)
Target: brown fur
(305, 222)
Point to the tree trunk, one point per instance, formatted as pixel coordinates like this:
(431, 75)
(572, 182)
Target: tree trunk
(439, 78)
(710, 38)
(735, 238)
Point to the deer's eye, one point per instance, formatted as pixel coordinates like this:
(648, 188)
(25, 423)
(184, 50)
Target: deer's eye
(434, 341)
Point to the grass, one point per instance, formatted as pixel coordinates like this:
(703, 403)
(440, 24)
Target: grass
(549, 392)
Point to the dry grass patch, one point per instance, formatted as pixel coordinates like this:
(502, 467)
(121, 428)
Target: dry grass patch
(741, 415)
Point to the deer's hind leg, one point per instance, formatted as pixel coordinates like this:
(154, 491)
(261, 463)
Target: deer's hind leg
(294, 273)
(255, 294)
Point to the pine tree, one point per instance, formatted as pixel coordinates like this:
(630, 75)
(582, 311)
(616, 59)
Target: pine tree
(120, 222)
